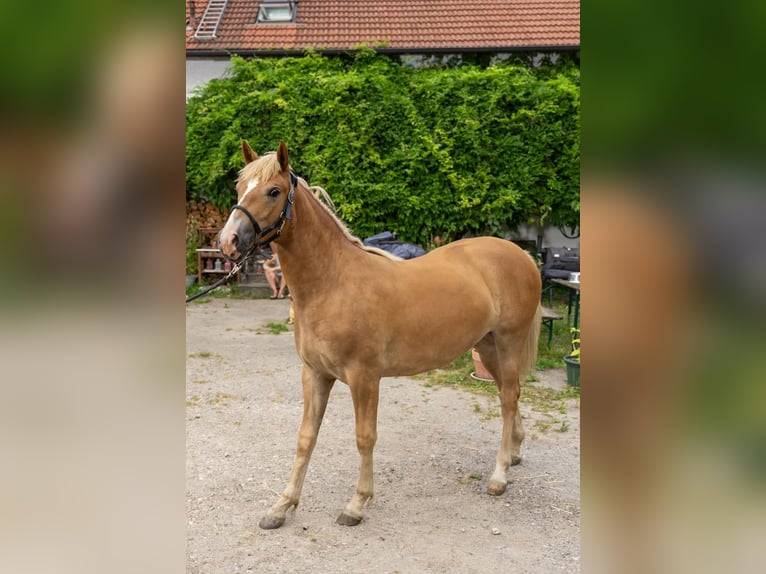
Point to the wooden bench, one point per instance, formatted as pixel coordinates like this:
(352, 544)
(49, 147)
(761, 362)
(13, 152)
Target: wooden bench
(548, 317)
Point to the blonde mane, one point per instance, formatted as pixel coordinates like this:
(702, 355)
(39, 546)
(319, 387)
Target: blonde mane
(267, 167)
(323, 198)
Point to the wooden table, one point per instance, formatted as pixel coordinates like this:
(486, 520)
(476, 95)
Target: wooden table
(574, 299)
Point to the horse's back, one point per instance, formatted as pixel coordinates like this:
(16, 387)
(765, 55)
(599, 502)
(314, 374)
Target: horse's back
(495, 260)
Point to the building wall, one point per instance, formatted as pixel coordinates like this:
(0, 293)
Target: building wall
(200, 71)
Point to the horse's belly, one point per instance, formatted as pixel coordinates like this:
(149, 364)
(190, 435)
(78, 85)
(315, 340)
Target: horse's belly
(397, 336)
(412, 365)
(424, 349)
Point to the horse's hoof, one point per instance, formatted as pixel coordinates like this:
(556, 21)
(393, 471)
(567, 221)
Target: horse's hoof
(515, 459)
(495, 488)
(348, 520)
(269, 522)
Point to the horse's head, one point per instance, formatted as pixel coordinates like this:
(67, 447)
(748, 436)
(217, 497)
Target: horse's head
(265, 191)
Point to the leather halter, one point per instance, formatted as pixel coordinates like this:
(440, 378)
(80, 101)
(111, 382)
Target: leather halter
(259, 239)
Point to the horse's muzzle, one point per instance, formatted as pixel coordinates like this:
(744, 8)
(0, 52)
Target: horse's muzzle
(234, 240)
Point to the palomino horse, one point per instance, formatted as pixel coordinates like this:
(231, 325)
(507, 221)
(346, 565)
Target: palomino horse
(349, 324)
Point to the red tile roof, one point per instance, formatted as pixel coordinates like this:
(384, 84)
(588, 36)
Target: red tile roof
(417, 25)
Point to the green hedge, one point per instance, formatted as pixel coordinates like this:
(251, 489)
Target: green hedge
(418, 151)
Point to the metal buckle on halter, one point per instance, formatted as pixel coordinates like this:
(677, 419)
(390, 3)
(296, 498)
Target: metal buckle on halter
(291, 195)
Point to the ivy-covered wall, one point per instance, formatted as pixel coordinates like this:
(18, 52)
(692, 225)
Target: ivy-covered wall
(418, 151)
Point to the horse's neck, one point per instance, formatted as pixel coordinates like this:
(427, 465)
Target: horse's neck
(314, 250)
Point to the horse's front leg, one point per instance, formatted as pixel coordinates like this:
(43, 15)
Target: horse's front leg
(364, 393)
(316, 391)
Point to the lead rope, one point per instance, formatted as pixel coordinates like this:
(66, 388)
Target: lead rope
(222, 281)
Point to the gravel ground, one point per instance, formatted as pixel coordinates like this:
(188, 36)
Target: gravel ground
(435, 452)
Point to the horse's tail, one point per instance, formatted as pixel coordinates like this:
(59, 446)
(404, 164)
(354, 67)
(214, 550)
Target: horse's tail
(529, 356)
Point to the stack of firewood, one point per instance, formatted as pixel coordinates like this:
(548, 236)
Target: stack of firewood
(202, 214)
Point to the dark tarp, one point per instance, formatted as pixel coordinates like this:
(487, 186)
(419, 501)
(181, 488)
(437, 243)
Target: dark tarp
(388, 242)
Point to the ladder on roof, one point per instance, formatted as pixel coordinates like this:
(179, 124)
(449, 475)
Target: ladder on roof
(211, 19)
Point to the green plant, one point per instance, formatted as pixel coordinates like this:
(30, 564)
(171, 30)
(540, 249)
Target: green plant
(192, 243)
(574, 353)
(422, 152)
(276, 328)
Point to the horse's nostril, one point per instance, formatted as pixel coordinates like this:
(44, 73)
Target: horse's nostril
(234, 240)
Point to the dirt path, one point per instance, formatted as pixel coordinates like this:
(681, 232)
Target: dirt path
(436, 449)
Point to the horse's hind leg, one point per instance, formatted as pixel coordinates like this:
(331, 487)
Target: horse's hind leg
(505, 370)
(316, 391)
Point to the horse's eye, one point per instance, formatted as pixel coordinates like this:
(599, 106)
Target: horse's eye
(274, 192)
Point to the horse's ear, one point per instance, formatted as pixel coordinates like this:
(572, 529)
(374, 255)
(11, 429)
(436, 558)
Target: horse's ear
(248, 153)
(282, 156)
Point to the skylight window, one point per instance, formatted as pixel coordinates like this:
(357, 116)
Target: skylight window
(271, 11)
